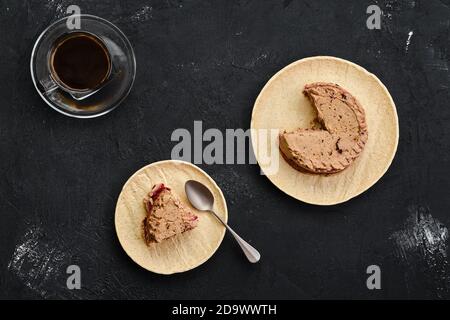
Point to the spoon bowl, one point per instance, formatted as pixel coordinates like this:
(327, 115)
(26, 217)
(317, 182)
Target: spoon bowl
(199, 195)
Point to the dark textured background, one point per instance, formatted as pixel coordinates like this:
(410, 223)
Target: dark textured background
(208, 60)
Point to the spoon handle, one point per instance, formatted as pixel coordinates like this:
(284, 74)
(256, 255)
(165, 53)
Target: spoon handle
(251, 253)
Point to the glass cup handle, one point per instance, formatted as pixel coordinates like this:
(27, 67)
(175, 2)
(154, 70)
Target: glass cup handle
(49, 85)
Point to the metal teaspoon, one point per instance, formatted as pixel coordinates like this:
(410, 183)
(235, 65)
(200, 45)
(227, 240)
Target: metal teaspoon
(202, 199)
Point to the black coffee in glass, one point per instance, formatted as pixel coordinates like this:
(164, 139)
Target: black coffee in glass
(80, 61)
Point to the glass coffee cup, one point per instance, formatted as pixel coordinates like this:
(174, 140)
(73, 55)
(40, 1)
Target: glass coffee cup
(79, 64)
(86, 72)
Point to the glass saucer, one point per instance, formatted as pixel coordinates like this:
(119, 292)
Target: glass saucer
(111, 94)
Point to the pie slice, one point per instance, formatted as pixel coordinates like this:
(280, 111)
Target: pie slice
(166, 215)
(340, 138)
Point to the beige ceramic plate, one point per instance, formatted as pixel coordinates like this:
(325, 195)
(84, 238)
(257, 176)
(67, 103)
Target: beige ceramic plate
(282, 105)
(179, 253)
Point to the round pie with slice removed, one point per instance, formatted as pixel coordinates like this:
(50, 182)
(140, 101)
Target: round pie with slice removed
(340, 138)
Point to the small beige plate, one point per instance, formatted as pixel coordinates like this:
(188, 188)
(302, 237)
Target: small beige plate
(179, 253)
(282, 105)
